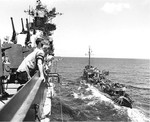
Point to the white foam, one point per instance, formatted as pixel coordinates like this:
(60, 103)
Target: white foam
(137, 116)
(91, 103)
(82, 96)
(96, 93)
(75, 95)
(98, 118)
(134, 114)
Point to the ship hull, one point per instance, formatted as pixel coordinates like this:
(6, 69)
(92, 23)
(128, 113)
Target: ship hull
(27, 104)
(115, 92)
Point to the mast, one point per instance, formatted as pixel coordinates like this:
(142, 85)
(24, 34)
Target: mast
(89, 57)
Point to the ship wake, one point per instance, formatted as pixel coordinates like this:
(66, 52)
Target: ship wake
(97, 98)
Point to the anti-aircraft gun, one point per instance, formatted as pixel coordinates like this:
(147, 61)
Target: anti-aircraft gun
(14, 52)
(29, 100)
(11, 56)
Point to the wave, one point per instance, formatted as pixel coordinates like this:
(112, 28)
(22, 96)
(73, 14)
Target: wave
(137, 116)
(84, 102)
(135, 87)
(134, 115)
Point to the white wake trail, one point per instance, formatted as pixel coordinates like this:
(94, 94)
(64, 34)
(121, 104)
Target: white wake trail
(135, 115)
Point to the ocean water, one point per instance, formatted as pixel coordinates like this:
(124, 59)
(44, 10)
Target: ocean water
(75, 101)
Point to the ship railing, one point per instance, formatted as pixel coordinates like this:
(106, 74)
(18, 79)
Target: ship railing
(27, 103)
(54, 75)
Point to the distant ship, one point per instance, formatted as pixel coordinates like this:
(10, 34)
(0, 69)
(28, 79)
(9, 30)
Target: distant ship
(27, 103)
(114, 91)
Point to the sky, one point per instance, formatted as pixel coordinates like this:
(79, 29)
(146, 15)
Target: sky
(112, 28)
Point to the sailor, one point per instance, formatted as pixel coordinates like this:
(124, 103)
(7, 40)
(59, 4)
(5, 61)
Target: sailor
(96, 76)
(33, 38)
(34, 61)
(48, 59)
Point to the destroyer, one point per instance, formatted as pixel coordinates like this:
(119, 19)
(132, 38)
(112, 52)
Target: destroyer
(115, 91)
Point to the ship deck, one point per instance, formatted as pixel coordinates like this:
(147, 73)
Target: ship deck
(11, 90)
(46, 95)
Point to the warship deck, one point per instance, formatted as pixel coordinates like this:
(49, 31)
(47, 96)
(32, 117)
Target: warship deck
(32, 102)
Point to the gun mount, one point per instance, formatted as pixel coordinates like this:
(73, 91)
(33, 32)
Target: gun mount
(27, 103)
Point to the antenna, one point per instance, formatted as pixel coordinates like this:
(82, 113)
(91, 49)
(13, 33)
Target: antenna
(29, 14)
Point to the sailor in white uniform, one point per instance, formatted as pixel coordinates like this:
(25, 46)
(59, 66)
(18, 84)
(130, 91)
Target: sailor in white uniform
(34, 61)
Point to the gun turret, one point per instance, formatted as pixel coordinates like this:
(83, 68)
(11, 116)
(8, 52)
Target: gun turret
(27, 41)
(23, 30)
(13, 39)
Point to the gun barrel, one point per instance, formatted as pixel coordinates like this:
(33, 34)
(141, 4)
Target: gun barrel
(13, 39)
(5, 48)
(22, 26)
(12, 24)
(27, 25)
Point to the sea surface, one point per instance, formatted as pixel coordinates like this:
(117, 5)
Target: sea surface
(75, 101)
